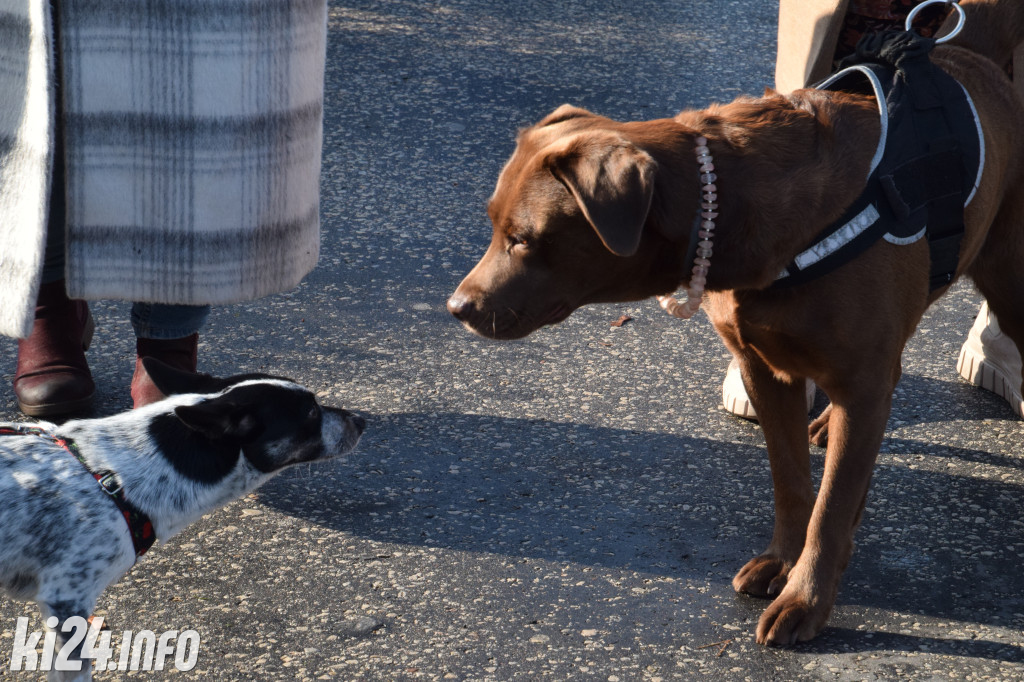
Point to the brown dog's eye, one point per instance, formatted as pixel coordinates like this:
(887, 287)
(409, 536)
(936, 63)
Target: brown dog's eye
(515, 241)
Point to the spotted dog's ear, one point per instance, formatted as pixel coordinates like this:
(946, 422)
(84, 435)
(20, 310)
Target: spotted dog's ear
(612, 181)
(173, 381)
(221, 419)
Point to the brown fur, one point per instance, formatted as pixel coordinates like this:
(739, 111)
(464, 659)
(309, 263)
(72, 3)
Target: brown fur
(589, 209)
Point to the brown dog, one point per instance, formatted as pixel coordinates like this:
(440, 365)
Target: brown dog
(593, 210)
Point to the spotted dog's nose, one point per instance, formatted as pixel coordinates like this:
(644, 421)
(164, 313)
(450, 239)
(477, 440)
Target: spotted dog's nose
(357, 422)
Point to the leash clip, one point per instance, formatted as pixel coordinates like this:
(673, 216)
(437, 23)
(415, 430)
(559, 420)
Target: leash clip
(109, 483)
(961, 18)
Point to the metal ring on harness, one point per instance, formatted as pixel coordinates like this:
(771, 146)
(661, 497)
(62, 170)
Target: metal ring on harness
(961, 18)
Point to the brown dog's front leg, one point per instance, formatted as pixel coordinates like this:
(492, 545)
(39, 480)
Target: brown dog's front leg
(856, 428)
(782, 411)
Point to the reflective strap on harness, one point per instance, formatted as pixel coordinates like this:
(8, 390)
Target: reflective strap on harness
(926, 168)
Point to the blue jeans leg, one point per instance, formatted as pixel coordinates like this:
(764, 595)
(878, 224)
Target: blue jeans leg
(164, 322)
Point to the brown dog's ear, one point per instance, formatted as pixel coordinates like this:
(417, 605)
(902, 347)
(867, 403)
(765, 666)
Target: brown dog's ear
(613, 183)
(563, 113)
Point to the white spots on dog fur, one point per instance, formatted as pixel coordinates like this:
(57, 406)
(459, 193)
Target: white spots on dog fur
(26, 479)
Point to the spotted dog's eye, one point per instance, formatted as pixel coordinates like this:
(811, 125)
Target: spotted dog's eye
(314, 412)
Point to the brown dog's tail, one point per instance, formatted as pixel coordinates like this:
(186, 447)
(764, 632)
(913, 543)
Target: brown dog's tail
(993, 28)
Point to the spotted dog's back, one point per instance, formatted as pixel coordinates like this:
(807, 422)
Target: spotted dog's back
(56, 524)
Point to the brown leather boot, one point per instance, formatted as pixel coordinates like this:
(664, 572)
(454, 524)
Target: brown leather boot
(178, 353)
(53, 377)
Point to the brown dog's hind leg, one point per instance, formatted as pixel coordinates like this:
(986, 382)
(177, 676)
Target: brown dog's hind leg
(856, 427)
(817, 432)
(782, 411)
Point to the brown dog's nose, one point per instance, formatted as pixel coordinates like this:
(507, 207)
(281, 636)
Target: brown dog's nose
(460, 306)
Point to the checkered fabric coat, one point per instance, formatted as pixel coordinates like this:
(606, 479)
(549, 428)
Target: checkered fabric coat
(193, 131)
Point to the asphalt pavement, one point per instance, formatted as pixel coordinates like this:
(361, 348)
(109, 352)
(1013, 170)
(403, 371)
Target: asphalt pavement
(571, 506)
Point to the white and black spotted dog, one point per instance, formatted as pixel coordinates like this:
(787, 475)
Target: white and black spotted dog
(80, 502)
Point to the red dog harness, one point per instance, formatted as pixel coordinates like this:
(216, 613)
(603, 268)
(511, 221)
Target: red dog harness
(139, 525)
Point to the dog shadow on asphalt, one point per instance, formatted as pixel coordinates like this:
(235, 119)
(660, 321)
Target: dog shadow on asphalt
(922, 400)
(939, 537)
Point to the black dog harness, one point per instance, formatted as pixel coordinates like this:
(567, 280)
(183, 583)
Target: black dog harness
(926, 167)
(139, 525)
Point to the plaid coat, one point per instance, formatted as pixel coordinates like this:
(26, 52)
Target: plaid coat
(193, 131)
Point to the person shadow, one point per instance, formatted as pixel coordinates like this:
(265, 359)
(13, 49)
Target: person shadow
(939, 542)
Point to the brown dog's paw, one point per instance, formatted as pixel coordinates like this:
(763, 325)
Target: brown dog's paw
(763, 576)
(818, 430)
(791, 619)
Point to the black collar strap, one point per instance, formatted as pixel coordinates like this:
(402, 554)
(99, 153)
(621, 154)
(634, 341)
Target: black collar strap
(139, 525)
